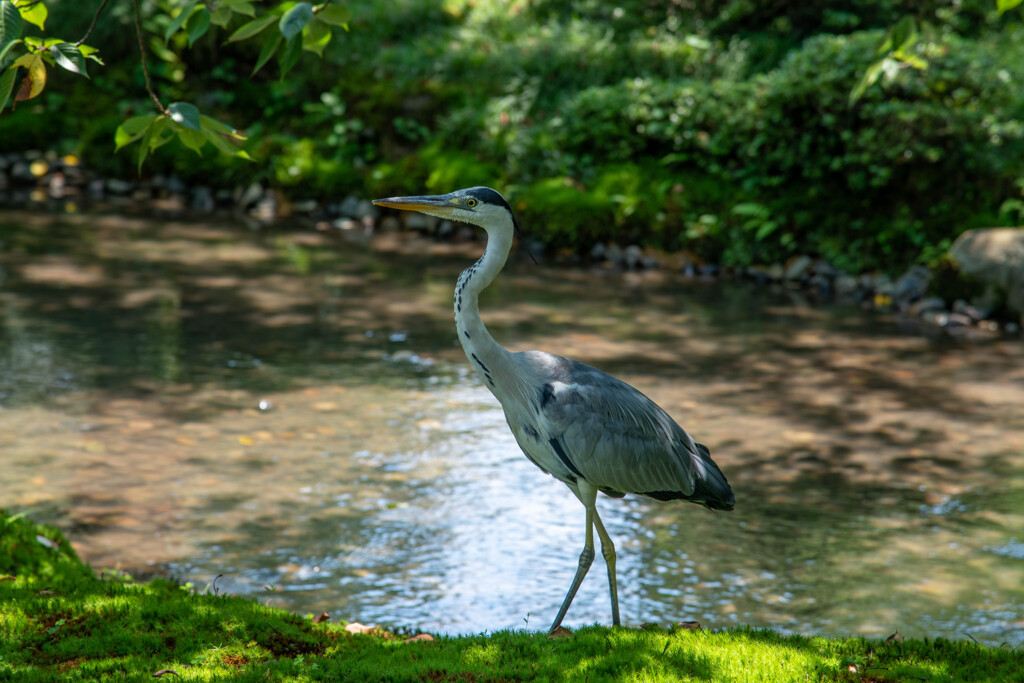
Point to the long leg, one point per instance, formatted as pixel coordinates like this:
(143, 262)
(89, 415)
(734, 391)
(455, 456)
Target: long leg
(586, 559)
(608, 550)
(588, 496)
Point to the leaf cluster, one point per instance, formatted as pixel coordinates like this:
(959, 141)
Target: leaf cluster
(24, 59)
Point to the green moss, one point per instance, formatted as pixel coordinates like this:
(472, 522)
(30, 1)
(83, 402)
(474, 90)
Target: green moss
(60, 622)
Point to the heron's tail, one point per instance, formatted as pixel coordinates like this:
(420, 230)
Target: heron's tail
(711, 488)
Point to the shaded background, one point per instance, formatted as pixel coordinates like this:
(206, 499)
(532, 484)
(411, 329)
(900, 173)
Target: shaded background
(721, 128)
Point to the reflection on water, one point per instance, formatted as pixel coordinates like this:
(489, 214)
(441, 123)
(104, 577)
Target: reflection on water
(292, 411)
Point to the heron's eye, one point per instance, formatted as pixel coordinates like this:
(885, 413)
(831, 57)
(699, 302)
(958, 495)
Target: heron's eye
(471, 202)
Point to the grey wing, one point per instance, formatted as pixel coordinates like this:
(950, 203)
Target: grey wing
(622, 442)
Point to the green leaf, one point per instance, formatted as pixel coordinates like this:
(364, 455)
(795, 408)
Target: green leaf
(224, 146)
(335, 15)
(911, 60)
(315, 37)
(238, 6)
(35, 14)
(35, 81)
(198, 24)
(90, 53)
(180, 20)
(193, 139)
(6, 86)
(248, 30)
(209, 123)
(69, 57)
(1007, 5)
(221, 16)
(131, 130)
(7, 48)
(245, 8)
(867, 80)
(294, 20)
(289, 56)
(904, 32)
(223, 136)
(185, 114)
(270, 46)
(151, 140)
(10, 22)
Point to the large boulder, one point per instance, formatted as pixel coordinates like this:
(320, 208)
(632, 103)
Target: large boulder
(996, 256)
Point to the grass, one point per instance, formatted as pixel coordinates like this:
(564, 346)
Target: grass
(59, 621)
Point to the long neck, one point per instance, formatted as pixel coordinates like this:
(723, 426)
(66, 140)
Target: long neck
(489, 359)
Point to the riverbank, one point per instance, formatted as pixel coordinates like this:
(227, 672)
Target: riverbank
(938, 298)
(62, 621)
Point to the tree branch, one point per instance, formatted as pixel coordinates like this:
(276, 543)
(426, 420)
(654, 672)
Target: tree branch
(95, 18)
(145, 69)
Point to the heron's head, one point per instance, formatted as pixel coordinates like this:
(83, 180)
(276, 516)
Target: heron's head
(476, 205)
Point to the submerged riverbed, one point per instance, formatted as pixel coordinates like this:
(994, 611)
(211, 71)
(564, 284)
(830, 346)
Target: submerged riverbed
(291, 410)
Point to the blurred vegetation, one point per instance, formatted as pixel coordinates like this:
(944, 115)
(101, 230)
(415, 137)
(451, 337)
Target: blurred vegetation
(720, 128)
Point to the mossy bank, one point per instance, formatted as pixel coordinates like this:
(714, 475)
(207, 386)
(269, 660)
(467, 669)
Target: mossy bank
(60, 621)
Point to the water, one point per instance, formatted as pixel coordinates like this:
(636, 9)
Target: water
(291, 411)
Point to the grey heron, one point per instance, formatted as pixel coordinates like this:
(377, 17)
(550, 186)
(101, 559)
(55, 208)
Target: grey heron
(587, 429)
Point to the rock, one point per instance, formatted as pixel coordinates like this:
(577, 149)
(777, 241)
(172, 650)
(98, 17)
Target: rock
(776, 272)
(882, 284)
(250, 195)
(390, 223)
(346, 224)
(825, 269)
(799, 268)
(597, 252)
(56, 185)
(366, 209)
(932, 304)
(202, 199)
(305, 206)
(266, 208)
(175, 185)
(973, 312)
(446, 229)
(845, 284)
(633, 256)
(349, 206)
(958, 320)
(822, 284)
(912, 285)
(420, 222)
(614, 254)
(20, 171)
(117, 186)
(996, 256)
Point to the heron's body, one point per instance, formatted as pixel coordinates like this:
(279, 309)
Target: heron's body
(586, 428)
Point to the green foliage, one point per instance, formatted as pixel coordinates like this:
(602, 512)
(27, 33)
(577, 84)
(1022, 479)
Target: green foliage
(722, 128)
(301, 26)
